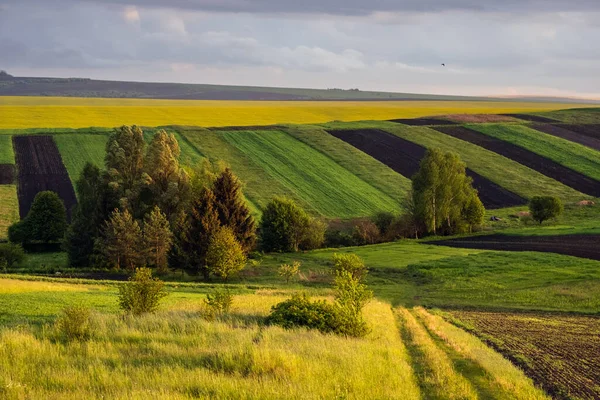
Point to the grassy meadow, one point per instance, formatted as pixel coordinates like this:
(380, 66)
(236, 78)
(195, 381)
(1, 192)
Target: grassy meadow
(78, 149)
(179, 354)
(7, 155)
(9, 209)
(68, 112)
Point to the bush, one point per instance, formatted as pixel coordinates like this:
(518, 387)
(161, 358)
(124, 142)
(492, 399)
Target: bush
(219, 303)
(350, 263)
(337, 238)
(46, 221)
(314, 236)
(283, 226)
(351, 296)
(225, 256)
(142, 294)
(288, 271)
(366, 232)
(11, 254)
(74, 323)
(300, 311)
(543, 208)
(383, 221)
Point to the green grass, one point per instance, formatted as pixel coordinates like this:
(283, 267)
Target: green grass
(572, 155)
(331, 190)
(365, 167)
(9, 208)
(78, 149)
(574, 116)
(507, 173)
(7, 156)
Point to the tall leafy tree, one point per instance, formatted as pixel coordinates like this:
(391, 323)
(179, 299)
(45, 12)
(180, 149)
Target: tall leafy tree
(232, 209)
(284, 226)
(225, 256)
(158, 239)
(201, 224)
(543, 208)
(122, 242)
(441, 192)
(164, 183)
(46, 221)
(124, 163)
(87, 218)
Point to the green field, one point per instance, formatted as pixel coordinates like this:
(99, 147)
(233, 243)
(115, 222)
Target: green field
(9, 208)
(78, 149)
(572, 155)
(574, 116)
(7, 155)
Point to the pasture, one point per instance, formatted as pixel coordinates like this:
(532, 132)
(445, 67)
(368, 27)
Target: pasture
(69, 112)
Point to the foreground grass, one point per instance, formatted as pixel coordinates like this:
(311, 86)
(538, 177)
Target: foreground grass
(78, 149)
(572, 155)
(7, 155)
(178, 354)
(61, 112)
(9, 209)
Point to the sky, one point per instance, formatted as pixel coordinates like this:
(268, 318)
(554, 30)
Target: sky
(489, 47)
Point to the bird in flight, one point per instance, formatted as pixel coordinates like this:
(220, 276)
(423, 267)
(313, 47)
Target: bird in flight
(443, 65)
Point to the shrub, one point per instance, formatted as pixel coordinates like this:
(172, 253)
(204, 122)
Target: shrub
(283, 226)
(46, 221)
(350, 263)
(225, 256)
(74, 323)
(383, 220)
(314, 237)
(288, 271)
(366, 232)
(142, 293)
(543, 208)
(351, 296)
(300, 311)
(219, 303)
(11, 254)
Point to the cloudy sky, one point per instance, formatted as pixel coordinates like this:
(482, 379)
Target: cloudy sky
(490, 47)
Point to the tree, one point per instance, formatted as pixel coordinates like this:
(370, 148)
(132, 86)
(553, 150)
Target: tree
(163, 182)
(543, 208)
(288, 271)
(46, 221)
(225, 256)
(441, 192)
(350, 263)
(124, 163)
(232, 209)
(158, 239)
(283, 226)
(314, 236)
(121, 241)
(11, 254)
(142, 293)
(201, 223)
(473, 212)
(87, 218)
(366, 232)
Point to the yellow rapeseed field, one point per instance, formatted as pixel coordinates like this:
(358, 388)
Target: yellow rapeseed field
(69, 112)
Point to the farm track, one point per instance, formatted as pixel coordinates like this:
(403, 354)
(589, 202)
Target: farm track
(40, 168)
(530, 118)
(552, 169)
(7, 174)
(585, 246)
(559, 352)
(404, 157)
(572, 133)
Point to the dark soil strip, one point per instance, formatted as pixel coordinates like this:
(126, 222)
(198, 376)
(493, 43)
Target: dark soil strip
(591, 130)
(568, 134)
(404, 157)
(423, 121)
(585, 246)
(40, 168)
(552, 169)
(7, 174)
(531, 118)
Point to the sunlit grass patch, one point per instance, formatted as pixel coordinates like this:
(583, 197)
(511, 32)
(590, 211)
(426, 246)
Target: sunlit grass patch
(9, 208)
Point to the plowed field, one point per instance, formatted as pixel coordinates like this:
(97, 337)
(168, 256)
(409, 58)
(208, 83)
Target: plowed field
(528, 158)
(7, 174)
(404, 157)
(571, 134)
(40, 168)
(561, 353)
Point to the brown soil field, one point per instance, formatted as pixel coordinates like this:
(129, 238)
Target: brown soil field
(585, 246)
(530, 118)
(591, 130)
(404, 157)
(478, 118)
(40, 168)
(552, 169)
(561, 353)
(7, 174)
(568, 134)
(422, 121)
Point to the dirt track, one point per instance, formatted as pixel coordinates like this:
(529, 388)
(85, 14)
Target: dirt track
(552, 169)
(569, 134)
(585, 246)
(7, 174)
(40, 168)
(404, 157)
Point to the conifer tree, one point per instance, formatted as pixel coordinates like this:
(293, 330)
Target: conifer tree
(122, 242)
(158, 239)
